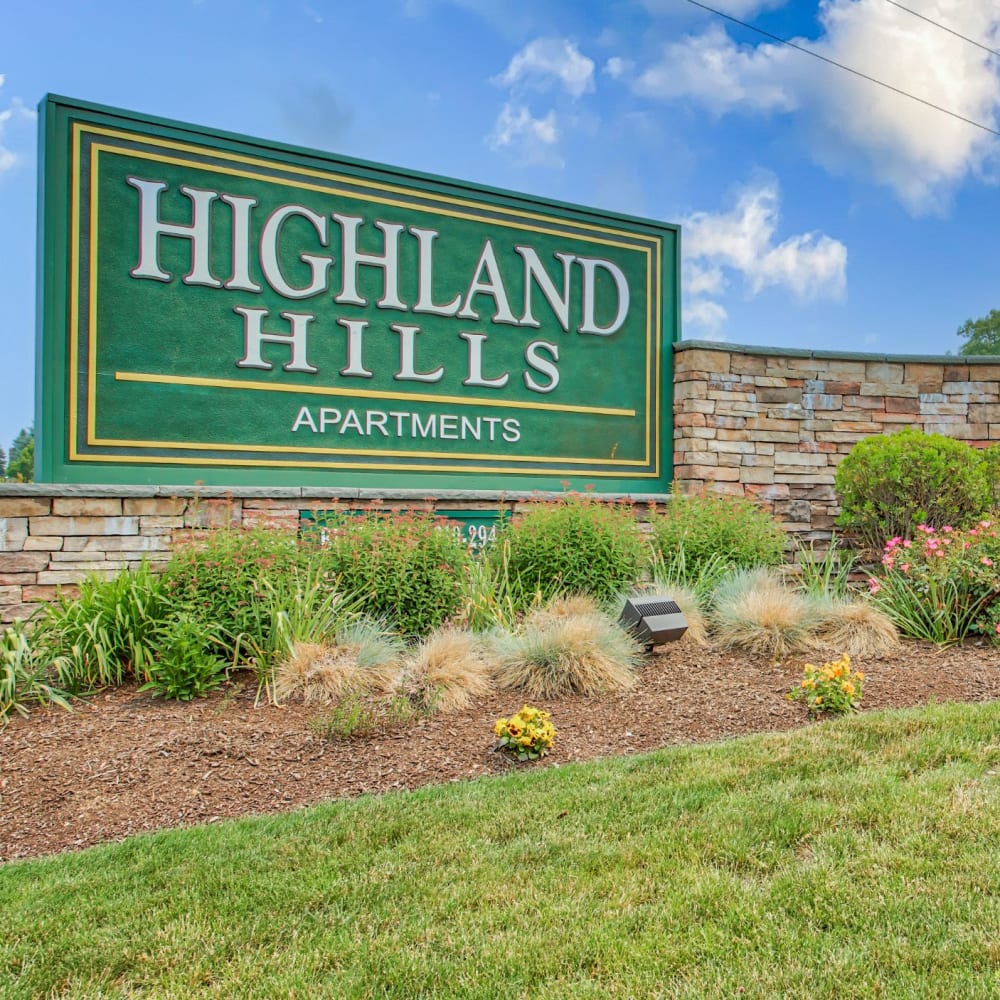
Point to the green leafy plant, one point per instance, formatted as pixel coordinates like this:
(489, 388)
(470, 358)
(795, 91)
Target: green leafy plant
(187, 665)
(406, 567)
(944, 585)
(220, 579)
(491, 598)
(671, 570)
(574, 545)
(889, 484)
(108, 633)
(527, 735)
(714, 530)
(832, 689)
(829, 573)
(24, 679)
(359, 716)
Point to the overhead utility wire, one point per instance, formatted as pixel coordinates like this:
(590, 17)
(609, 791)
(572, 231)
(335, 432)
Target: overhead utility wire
(944, 27)
(833, 62)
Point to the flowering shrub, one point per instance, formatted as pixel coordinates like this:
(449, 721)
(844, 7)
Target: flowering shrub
(528, 735)
(406, 566)
(577, 544)
(833, 688)
(942, 585)
(713, 530)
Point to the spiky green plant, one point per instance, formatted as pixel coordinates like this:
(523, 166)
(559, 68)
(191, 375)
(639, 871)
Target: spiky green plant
(24, 678)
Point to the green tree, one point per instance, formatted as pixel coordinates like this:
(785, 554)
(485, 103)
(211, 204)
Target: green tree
(3, 463)
(982, 336)
(21, 466)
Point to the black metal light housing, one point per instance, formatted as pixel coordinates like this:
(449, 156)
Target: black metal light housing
(653, 620)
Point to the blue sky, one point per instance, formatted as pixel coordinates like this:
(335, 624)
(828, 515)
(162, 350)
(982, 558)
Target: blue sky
(819, 210)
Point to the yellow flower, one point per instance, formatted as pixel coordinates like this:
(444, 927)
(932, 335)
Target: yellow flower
(499, 726)
(847, 687)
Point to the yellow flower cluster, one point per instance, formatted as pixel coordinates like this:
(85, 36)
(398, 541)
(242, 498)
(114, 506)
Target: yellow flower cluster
(833, 687)
(527, 735)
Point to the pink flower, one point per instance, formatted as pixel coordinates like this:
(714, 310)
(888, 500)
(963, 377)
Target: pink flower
(947, 527)
(907, 544)
(904, 567)
(874, 587)
(998, 628)
(986, 561)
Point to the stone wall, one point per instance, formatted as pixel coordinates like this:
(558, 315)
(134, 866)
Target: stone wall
(774, 423)
(51, 536)
(766, 423)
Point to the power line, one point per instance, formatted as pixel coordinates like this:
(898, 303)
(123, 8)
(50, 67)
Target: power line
(943, 27)
(848, 69)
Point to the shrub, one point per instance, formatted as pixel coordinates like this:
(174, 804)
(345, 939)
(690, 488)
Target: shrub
(187, 665)
(756, 612)
(574, 545)
(553, 654)
(24, 679)
(709, 527)
(407, 567)
(890, 484)
(106, 634)
(219, 578)
(671, 570)
(942, 585)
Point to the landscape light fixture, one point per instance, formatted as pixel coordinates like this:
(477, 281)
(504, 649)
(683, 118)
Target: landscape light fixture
(653, 620)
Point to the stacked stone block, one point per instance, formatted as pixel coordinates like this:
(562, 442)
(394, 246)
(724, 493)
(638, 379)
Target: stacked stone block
(774, 424)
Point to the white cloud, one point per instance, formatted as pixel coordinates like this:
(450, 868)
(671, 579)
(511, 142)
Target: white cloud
(712, 69)
(16, 112)
(853, 125)
(811, 265)
(550, 60)
(705, 319)
(616, 67)
(532, 139)
(742, 240)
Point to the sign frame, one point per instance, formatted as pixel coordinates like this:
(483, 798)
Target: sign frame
(78, 140)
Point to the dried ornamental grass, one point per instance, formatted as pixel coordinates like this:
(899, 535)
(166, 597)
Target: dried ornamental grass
(857, 628)
(552, 655)
(364, 658)
(756, 612)
(448, 670)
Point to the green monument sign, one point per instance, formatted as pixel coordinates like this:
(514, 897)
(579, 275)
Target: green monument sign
(220, 309)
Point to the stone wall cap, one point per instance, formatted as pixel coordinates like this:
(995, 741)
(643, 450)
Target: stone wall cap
(300, 493)
(799, 352)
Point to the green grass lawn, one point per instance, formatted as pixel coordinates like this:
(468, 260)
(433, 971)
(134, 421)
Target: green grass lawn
(858, 858)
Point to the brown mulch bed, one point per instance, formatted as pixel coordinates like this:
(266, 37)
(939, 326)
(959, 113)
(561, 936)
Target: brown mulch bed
(124, 762)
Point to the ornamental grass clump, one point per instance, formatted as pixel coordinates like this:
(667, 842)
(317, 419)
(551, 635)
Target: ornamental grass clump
(756, 612)
(447, 671)
(553, 654)
(942, 585)
(832, 689)
(528, 735)
(856, 626)
(364, 657)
